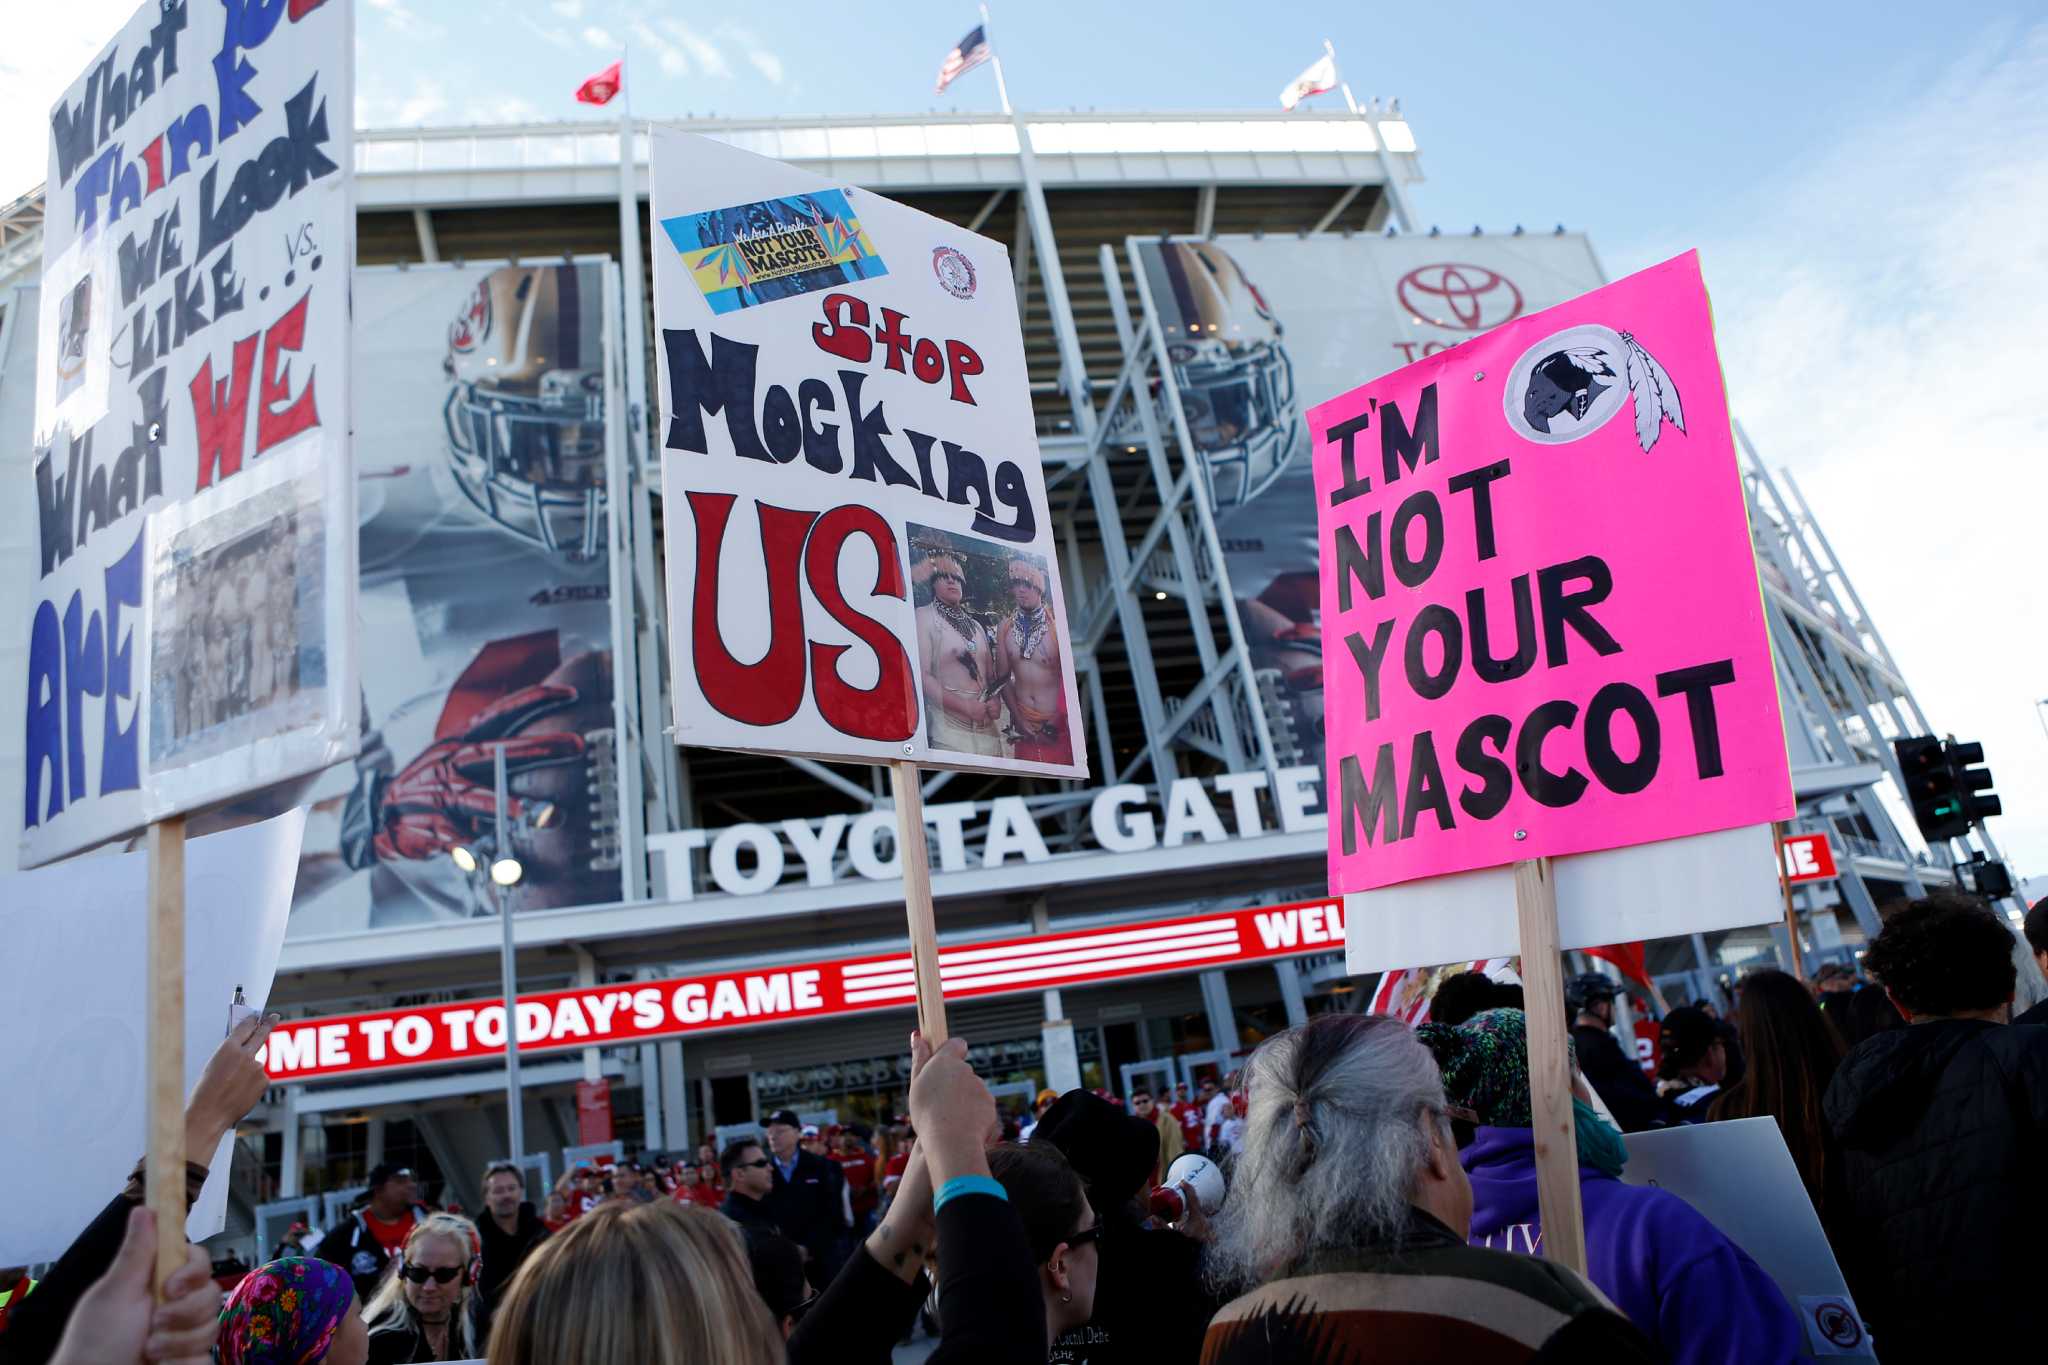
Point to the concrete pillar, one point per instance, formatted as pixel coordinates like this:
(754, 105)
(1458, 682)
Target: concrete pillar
(1290, 992)
(586, 976)
(1056, 1040)
(288, 1179)
(675, 1098)
(373, 1143)
(651, 1138)
(1216, 1001)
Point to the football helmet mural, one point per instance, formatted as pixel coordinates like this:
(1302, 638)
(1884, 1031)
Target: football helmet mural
(525, 408)
(1236, 381)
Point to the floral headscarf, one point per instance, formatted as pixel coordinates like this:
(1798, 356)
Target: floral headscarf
(285, 1313)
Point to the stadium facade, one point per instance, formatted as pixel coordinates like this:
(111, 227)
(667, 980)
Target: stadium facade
(1152, 923)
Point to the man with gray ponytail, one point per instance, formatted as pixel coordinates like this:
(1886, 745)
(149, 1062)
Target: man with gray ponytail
(1344, 1232)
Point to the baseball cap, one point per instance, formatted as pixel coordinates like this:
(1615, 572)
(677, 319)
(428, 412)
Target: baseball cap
(1685, 1035)
(786, 1117)
(810, 1130)
(384, 1171)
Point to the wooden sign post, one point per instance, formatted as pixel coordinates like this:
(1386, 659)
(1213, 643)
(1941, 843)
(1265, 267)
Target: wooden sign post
(917, 899)
(1791, 915)
(165, 1172)
(1550, 1072)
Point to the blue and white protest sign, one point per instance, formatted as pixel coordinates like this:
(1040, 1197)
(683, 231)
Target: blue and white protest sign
(191, 637)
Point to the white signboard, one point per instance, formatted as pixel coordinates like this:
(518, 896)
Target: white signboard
(73, 1005)
(191, 633)
(1740, 1176)
(860, 555)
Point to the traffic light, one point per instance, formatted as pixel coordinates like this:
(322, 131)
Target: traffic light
(1988, 879)
(1965, 761)
(1930, 787)
(1943, 780)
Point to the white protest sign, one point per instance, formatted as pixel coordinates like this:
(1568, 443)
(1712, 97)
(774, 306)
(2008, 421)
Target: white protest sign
(72, 1005)
(1740, 1176)
(860, 553)
(191, 635)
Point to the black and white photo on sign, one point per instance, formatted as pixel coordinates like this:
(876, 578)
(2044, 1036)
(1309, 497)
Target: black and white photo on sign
(237, 639)
(989, 649)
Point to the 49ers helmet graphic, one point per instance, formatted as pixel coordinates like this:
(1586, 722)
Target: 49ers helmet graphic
(525, 409)
(1236, 382)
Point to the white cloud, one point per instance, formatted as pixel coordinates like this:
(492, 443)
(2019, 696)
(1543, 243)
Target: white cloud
(421, 105)
(600, 39)
(553, 37)
(568, 9)
(1879, 317)
(703, 53)
(401, 18)
(667, 54)
(756, 52)
(503, 109)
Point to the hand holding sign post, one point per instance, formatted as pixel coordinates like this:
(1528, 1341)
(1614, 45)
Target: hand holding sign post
(1536, 555)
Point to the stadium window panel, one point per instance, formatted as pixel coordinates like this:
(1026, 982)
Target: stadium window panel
(1050, 139)
(949, 139)
(804, 144)
(1227, 137)
(1181, 137)
(899, 140)
(1397, 135)
(1092, 138)
(1355, 136)
(447, 153)
(851, 142)
(597, 149)
(551, 149)
(995, 139)
(388, 156)
(1135, 137)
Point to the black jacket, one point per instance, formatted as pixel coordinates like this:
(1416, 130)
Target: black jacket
(749, 1213)
(1620, 1082)
(398, 1344)
(989, 1304)
(504, 1252)
(1943, 1184)
(1139, 1270)
(2037, 1015)
(810, 1208)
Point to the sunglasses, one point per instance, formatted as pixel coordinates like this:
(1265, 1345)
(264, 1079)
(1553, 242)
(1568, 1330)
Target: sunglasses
(760, 1165)
(1085, 1236)
(1464, 1125)
(420, 1274)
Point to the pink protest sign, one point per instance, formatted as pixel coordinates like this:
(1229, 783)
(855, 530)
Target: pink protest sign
(1542, 625)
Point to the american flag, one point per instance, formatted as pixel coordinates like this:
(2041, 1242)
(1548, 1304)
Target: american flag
(967, 54)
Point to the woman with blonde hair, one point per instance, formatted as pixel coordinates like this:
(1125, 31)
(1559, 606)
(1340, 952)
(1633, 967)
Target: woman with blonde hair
(425, 1306)
(637, 1284)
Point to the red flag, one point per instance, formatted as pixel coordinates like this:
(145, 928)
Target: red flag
(1628, 957)
(600, 88)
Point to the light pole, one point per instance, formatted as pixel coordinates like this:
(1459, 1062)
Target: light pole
(502, 870)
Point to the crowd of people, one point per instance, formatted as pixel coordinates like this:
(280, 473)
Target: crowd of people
(1382, 1206)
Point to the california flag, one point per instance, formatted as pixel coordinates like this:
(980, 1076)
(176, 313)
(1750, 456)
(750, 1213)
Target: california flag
(1314, 81)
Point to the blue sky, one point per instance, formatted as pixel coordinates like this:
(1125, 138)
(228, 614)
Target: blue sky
(1868, 185)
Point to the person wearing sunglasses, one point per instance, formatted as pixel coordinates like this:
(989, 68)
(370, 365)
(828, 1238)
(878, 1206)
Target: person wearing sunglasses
(749, 1179)
(1064, 1232)
(424, 1309)
(1679, 1278)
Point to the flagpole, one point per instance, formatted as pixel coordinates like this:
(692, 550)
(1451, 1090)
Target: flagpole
(1073, 376)
(1397, 194)
(632, 272)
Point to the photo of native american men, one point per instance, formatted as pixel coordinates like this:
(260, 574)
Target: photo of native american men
(988, 649)
(237, 626)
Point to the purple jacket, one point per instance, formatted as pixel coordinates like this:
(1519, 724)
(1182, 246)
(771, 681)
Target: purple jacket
(1674, 1274)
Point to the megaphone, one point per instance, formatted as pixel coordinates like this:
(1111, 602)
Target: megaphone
(1194, 1184)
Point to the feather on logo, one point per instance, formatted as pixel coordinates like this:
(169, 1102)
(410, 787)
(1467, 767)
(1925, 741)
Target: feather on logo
(1656, 397)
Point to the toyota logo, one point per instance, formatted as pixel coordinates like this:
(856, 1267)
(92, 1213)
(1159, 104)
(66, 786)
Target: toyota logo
(1462, 298)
